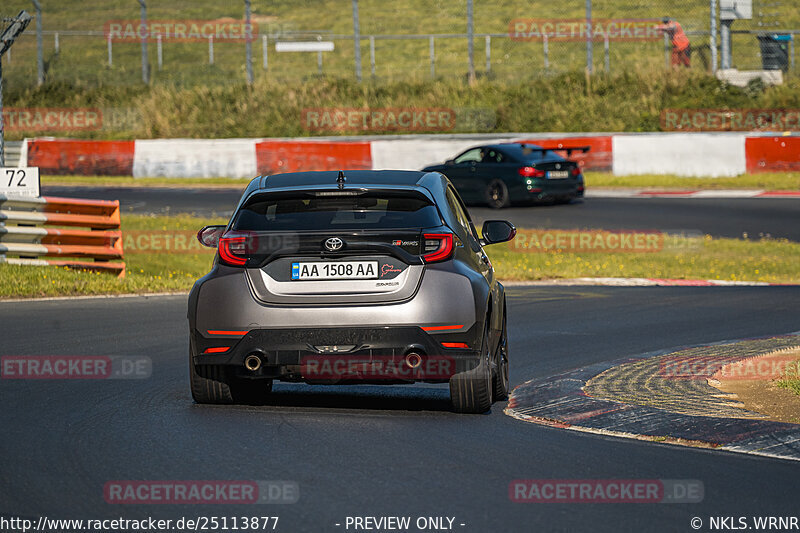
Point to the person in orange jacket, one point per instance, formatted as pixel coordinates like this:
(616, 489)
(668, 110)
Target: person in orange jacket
(681, 49)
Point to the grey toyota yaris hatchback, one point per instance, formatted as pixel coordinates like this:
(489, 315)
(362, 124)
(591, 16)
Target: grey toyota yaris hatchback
(350, 277)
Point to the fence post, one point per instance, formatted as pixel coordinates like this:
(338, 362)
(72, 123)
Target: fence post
(160, 53)
(39, 47)
(210, 49)
(145, 69)
(248, 43)
(357, 41)
(432, 55)
(110, 53)
(606, 50)
(470, 44)
(666, 51)
(589, 51)
(713, 30)
(372, 55)
(488, 54)
(546, 51)
(56, 44)
(2, 125)
(264, 51)
(319, 62)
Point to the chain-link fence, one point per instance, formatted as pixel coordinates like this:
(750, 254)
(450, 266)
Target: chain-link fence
(410, 40)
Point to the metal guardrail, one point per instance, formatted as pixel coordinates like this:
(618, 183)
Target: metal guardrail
(22, 236)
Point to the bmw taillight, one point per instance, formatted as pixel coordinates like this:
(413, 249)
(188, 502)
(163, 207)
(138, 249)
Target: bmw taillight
(530, 172)
(233, 249)
(437, 247)
(576, 172)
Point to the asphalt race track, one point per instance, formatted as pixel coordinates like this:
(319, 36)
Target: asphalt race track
(371, 450)
(775, 217)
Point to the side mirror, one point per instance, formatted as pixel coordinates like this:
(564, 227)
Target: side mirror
(209, 236)
(495, 231)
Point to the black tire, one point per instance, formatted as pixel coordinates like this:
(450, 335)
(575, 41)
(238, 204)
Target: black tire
(500, 370)
(210, 387)
(471, 391)
(496, 194)
(213, 384)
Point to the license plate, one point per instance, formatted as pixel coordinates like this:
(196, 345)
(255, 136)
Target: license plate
(557, 174)
(335, 270)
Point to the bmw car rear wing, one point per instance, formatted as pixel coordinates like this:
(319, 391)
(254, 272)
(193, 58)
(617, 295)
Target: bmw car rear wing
(568, 149)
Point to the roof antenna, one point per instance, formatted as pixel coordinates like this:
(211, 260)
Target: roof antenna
(341, 179)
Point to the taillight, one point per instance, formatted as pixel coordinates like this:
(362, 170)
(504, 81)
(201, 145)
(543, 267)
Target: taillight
(233, 250)
(576, 172)
(437, 247)
(530, 172)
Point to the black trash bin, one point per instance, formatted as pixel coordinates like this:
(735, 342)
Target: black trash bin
(775, 50)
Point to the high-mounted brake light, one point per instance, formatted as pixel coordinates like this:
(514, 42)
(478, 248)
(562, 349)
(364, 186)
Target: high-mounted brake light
(531, 172)
(437, 247)
(233, 250)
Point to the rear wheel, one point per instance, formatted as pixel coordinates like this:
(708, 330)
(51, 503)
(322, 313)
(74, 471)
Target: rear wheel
(213, 384)
(500, 374)
(209, 384)
(471, 391)
(497, 194)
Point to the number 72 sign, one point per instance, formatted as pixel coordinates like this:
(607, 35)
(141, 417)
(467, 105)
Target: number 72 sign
(19, 181)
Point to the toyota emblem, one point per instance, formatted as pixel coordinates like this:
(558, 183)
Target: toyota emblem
(334, 243)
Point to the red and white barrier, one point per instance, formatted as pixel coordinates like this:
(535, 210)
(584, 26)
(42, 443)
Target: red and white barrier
(684, 154)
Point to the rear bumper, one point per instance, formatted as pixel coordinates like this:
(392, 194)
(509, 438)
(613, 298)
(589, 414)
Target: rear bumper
(339, 355)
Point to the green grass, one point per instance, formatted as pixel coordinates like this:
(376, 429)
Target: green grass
(791, 379)
(127, 181)
(770, 181)
(775, 261)
(765, 180)
(630, 101)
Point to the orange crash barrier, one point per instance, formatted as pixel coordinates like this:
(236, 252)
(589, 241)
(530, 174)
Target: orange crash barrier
(89, 237)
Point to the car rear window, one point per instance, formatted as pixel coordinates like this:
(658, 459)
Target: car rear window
(337, 210)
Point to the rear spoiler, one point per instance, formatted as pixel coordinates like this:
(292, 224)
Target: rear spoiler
(568, 149)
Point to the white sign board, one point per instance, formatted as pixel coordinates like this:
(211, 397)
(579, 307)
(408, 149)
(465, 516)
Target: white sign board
(735, 9)
(19, 181)
(302, 46)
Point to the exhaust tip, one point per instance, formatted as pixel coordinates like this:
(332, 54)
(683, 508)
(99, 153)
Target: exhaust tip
(413, 360)
(252, 362)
